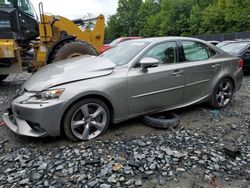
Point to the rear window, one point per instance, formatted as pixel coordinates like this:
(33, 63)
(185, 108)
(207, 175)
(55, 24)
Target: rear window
(6, 3)
(235, 48)
(195, 51)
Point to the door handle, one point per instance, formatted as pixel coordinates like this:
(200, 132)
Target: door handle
(216, 66)
(177, 73)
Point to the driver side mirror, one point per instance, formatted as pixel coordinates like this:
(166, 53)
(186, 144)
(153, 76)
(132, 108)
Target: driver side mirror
(148, 62)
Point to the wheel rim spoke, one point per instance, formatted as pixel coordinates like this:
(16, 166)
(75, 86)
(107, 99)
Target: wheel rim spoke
(85, 134)
(218, 96)
(222, 100)
(97, 125)
(77, 124)
(227, 87)
(98, 112)
(85, 110)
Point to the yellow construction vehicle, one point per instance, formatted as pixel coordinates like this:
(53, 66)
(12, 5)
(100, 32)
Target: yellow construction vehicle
(27, 43)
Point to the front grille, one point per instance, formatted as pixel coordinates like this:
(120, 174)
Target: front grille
(35, 126)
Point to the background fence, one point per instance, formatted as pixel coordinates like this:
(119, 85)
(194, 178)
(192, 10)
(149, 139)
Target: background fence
(224, 36)
(217, 37)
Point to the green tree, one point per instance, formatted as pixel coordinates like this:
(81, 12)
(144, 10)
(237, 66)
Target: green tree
(124, 22)
(152, 26)
(151, 18)
(147, 10)
(195, 20)
(174, 14)
(237, 14)
(127, 13)
(113, 29)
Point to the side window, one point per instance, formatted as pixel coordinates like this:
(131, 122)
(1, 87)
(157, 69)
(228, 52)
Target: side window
(195, 51)
(211, 52)
(166, 53)
(26, 6)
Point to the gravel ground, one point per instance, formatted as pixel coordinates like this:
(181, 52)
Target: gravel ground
(131, 154)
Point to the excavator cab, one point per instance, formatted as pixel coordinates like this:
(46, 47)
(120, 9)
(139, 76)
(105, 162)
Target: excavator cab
(18, 21)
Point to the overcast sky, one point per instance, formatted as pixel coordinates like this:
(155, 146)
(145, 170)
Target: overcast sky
(78, 8)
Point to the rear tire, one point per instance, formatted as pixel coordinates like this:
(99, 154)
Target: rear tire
(222, 94)
(3, 77)
(72, 49)
(86, 119)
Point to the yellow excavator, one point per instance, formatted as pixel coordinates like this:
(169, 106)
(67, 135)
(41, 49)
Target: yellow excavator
(28, 44)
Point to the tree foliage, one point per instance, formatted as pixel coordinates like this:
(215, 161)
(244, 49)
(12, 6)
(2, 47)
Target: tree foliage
(178, 17)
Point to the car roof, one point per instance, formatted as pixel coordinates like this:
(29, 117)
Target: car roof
(239, 41)
(159, 39)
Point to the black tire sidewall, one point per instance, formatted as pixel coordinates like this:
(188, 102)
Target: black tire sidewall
(70, 112)
(63, 51)
(167, 123)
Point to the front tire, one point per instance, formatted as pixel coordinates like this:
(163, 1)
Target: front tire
(222, 94)
(86, 119)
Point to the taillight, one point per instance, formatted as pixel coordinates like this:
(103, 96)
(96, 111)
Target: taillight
(241, 63)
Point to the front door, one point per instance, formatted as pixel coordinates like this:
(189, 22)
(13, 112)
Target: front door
(159, 87)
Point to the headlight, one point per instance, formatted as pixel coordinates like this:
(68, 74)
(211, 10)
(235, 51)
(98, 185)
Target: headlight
(49, 94)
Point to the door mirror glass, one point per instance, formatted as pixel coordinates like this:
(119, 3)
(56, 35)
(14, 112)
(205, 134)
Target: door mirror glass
(148, 62)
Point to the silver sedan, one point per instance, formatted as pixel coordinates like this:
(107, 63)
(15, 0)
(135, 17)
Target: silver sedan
(80, 97)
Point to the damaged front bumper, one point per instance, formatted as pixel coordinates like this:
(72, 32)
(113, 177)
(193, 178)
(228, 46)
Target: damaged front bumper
(34, 119)
(21, 127)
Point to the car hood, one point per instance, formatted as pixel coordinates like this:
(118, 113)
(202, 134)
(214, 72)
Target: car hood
(69, 70)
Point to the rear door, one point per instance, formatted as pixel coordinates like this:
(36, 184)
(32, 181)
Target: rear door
(160, 87)
(200, 68)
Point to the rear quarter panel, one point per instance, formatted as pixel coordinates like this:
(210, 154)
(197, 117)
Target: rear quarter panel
(230, 69)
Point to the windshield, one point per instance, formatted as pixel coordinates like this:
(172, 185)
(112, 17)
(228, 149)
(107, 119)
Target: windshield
(6, 3)
(124, 52)
(27, 7)
(234, 48)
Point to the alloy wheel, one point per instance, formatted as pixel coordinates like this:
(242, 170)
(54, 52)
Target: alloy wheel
(89, 121)
(224, 93)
